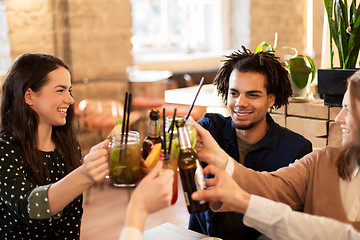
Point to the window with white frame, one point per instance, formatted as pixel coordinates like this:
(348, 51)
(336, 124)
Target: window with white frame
(178, 25)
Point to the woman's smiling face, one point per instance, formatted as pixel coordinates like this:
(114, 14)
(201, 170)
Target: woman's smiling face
(53, 99)
(346, 120)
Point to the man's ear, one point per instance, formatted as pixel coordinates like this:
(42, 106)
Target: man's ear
(271, 100)
(28, 97)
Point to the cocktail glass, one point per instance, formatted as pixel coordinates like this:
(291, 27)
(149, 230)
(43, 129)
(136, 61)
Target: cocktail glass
(175, 141)
(171, 163)
(124, 159)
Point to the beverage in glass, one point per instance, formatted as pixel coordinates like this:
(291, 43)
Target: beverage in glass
(175, 142)
(170, 162)
(124, 159)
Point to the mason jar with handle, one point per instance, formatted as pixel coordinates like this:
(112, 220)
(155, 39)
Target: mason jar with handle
(124, 159)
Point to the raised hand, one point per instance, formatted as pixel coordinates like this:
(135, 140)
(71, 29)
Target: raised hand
(96, 164)
(94, 168)
(208, 149)
(154, 192)
(222, 192)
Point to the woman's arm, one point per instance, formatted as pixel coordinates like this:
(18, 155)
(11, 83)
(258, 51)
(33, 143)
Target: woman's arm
(278, 221)
(94, 169)
(274, 219)
(153, 193)
(222, 192)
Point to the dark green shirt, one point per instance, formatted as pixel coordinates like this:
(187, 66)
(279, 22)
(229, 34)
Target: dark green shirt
(24, 208)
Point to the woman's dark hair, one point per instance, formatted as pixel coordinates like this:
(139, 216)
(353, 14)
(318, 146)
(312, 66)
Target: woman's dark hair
(351, 154)
(20, 121)
(266, 63)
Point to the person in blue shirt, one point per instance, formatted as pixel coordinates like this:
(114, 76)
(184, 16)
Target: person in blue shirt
(250, 84)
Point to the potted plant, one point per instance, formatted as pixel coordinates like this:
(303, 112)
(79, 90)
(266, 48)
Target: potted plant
(301, 68)
(344, 29)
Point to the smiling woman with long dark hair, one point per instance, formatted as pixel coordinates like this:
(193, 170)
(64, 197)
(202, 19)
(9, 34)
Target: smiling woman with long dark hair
(41, 172)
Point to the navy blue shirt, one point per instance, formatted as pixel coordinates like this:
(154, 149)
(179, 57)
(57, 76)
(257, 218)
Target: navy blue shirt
(278, 148)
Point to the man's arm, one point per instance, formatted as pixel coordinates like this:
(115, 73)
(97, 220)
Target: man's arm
(278, 221)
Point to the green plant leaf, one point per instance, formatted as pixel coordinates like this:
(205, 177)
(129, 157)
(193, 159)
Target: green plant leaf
(344, 11)
(340, 27)
(312, 68)
(344, 30)
(329, 7)
(329, 11)
(353, 13)
(299, 71)
(353, 45)
(267, 46)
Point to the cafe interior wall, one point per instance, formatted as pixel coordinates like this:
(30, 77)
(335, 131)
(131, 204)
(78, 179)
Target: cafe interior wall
(93, 37)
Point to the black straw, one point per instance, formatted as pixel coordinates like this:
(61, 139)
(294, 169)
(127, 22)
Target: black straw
(172, 130)
(164, 131)
(124, 119)
(127, 104)
(192, 105)
(128, 118)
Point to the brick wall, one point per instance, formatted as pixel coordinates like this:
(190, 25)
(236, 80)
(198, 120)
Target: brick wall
(100, 37)
(30, 26)
(287, 17)
(94, 44)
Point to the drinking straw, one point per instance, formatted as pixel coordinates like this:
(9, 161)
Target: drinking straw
(124, 118)
(126, 110)
(172, 130)
(128, 117)
(170, 127)
(164, 131)
(192, 105)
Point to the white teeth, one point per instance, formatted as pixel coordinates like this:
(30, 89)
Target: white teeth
(345, 130)
(62, 110)
(242, 114)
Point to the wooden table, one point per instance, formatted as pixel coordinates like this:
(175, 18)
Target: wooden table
(168, 231)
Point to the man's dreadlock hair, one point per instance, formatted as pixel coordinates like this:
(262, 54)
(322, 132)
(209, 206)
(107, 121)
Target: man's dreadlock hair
(266, 63)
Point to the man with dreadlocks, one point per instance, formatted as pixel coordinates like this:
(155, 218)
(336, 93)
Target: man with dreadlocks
(250, 84)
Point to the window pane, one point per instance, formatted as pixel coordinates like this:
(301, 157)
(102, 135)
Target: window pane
(174, 25)
(146, 22)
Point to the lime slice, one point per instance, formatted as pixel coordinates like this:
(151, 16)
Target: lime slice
(115, 155)
(135, 168)
(117, 129)
(117, 170)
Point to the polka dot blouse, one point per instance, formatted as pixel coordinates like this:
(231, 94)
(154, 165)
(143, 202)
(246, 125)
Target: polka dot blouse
(24, 208)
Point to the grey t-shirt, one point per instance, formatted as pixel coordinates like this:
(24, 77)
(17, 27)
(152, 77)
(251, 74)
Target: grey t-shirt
(244, 148)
